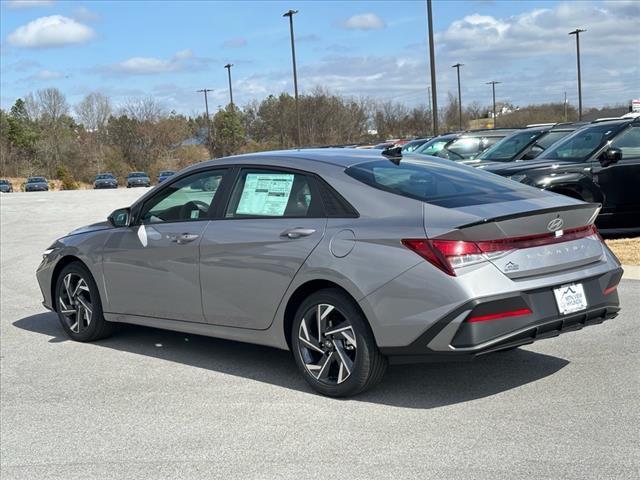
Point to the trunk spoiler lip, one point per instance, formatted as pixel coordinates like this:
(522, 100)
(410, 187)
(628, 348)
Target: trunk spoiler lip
(527, 213)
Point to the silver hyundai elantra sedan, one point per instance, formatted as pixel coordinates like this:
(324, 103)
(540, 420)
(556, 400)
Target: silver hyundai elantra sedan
(351, 259)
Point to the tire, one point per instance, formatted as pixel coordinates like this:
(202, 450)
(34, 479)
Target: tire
(347, 361)
(80, 298)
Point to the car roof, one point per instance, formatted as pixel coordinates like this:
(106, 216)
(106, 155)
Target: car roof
(341, 157)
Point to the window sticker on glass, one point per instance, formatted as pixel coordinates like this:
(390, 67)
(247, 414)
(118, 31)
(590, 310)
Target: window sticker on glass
(265, 194)
(195, 214)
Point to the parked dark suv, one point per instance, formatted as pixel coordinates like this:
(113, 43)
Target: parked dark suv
(599, 162)
(525, 144)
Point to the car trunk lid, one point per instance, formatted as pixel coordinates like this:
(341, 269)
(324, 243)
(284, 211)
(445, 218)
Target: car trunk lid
(529, 237)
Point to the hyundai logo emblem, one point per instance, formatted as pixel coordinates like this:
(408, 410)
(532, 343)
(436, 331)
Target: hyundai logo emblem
(555, 224)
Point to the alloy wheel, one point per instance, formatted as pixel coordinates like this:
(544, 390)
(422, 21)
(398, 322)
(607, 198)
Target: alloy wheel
(327, 344)
(75, 304)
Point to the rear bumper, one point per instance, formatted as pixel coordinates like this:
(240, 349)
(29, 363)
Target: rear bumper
(453, 338)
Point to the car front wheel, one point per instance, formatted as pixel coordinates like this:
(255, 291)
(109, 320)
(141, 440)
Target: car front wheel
(78, 304)
(334, 347)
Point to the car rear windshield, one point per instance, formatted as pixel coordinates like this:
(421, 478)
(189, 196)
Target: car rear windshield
(36, 180)
(441, 183)
(104, 176)
(137, 174)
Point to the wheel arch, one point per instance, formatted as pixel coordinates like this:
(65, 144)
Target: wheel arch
(63, 262)
(301, 293)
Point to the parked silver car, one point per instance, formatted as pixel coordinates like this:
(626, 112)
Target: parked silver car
(349, 258)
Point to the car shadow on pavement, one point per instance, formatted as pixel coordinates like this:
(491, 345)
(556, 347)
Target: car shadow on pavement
(420, 386)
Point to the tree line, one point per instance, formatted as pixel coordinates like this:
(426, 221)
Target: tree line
(43, 135)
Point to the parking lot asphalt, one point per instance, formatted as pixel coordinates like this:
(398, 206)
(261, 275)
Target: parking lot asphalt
(152, 404)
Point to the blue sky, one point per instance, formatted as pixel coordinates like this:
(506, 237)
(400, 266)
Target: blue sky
(170, 49)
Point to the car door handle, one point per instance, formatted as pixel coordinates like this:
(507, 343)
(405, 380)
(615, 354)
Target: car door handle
(298, 232)
(183, 238)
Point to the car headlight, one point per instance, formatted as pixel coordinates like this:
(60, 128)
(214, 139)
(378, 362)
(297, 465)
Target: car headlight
(517, 178)
(47, 252)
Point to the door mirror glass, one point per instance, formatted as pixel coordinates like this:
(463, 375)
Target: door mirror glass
(120, 217)
(610, 156)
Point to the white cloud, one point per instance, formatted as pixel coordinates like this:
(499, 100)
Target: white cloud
(53, 31)
(542, 32)
(364, 21)
(181, 61)
(17, 4)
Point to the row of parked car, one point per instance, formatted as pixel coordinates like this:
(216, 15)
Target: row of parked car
(102, 180)
(134, 179)
(595, 162)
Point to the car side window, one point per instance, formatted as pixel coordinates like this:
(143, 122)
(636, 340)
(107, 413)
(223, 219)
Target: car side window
(271, 193)
(188, 199)
(629, 143)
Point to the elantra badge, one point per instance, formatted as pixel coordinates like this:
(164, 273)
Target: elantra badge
(555, 224)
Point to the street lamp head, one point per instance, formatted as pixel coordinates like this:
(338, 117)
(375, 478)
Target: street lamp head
(577, 31)
(228, 65)
(492, 83)
(290, 13)
(457, 65)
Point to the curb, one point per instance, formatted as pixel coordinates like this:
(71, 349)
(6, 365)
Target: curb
(631, 272)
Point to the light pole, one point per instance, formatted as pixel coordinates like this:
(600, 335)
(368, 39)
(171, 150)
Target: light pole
(206, 109)
(432, 59)
(290, 14)
(457, 67)
(493, 88)
(577, 33)
(228, 67)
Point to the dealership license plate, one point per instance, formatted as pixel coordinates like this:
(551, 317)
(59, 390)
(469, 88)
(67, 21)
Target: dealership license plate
(570, 298)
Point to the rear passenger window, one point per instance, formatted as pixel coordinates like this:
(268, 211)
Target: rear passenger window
(271, 193)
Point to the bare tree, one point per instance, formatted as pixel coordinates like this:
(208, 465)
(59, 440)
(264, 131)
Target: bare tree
(94, 111)
(52, 104)
(145, 109)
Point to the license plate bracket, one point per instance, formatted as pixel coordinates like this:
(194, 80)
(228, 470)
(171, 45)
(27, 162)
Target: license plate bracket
(570, 298)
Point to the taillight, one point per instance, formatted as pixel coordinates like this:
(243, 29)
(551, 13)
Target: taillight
(449, 255)
(497, 316)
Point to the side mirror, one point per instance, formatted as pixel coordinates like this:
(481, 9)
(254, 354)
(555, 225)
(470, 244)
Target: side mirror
(120, 217)
(610, 156)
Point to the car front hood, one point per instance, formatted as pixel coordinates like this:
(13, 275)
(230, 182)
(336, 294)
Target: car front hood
(94, 227)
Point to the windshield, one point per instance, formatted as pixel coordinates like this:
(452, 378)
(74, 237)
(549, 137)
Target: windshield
(3, 182)
(412, 146)
(582, 143)
(432, 146)
(104, 176)
(467, 148)
(137, 174)
(445, 184)
(508, 148)
(550, 138)
(36, 180)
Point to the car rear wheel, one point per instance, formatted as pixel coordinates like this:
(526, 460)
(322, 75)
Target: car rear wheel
(78, 305)
(334, 347)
